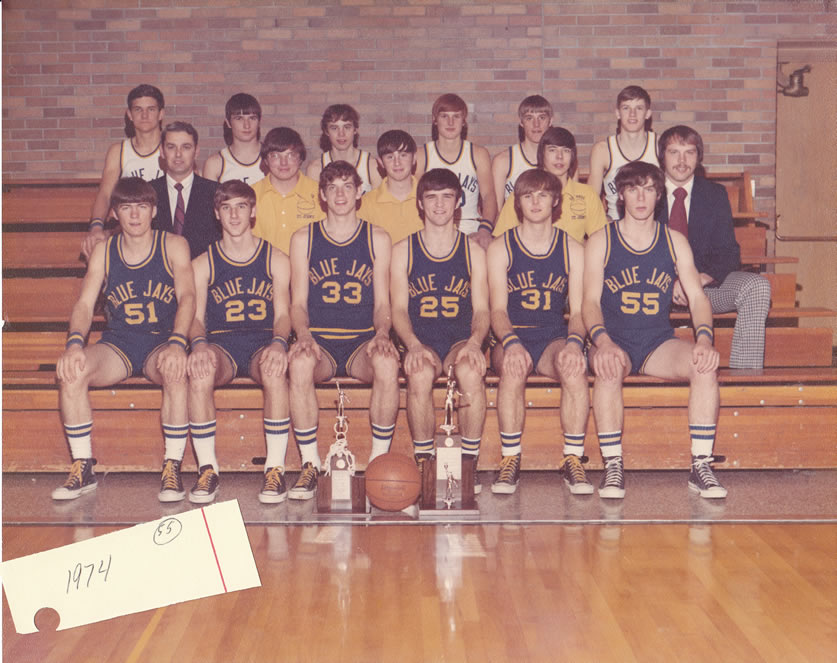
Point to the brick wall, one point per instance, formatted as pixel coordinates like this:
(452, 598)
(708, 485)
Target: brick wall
(68, 64)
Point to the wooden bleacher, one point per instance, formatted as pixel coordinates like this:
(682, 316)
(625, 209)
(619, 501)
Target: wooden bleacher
(778, 417)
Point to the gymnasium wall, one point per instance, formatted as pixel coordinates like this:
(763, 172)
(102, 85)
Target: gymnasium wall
(68, 64)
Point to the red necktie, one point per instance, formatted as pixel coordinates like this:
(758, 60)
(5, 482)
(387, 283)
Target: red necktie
(677, 215)
(180, 210)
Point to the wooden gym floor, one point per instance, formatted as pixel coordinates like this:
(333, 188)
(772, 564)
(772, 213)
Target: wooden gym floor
(540, 576)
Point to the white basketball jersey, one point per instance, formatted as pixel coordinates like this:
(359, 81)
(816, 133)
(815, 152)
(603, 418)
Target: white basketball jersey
(362, 167)
(617, 160)
(233, 169)
(518, 164)
(137, 165)
(466, 170)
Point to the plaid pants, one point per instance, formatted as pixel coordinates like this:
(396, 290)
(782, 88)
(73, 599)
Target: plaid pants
(749, 294)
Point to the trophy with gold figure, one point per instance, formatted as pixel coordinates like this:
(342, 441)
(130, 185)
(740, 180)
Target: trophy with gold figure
(340, 490)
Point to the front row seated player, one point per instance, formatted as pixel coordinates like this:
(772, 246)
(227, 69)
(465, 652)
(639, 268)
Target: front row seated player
(534, 270)
(146, 277)
(631, 266)
(341, 315)
(440, 312)
(241, 328)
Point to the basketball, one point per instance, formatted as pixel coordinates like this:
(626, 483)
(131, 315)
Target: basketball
(393, 482)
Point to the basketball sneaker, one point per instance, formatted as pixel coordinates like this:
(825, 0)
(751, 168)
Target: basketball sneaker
(273, 488)
(574, 476)
(306, 484)
(613, 480)
(421, 458)
(171, 483)
(702, 479)
(508, 476)
(206, 487)
(80, 480)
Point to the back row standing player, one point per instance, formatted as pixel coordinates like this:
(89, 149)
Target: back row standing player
(469, 162)
(633, 141)
(241, 159)
(535, 115)
(339, 142)
(138, 155)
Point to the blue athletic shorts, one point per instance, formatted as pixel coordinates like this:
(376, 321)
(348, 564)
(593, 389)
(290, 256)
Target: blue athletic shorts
(341, 352)
(640, 345)
(239, 347)
(133, 348)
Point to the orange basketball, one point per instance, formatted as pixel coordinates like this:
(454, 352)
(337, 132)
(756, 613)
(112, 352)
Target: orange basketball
(393, 482)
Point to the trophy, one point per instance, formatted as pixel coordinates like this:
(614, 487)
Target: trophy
(340, 490)
(447, 482)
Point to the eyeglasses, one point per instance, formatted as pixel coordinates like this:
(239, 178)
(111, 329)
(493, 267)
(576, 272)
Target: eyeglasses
(288, 155)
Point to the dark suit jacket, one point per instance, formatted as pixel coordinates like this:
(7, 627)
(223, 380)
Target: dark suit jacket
(201, 227)
(711, 231)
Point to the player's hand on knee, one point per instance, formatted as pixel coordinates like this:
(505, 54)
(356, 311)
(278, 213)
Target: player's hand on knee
(472, 353)
(610, 361)
(93, 237)
(705, 357)
(381, 344)
(415, 359)
(274, 360)
(71, 364)
(171, 362)
(305, 345)
(201, 362)
(517, 362)
(571, 360)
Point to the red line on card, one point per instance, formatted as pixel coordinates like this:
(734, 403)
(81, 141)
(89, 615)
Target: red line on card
(220, 573)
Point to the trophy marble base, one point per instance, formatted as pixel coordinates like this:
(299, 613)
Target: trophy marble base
(354, 504)
(432, 503)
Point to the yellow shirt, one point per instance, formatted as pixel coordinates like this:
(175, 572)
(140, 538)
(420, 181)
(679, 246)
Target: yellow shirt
(279, 216)
(399, 218)
(582, 212)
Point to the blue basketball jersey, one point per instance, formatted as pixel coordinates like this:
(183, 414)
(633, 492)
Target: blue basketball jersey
(637, 290)
(440, 290)
(240, 294)
(139, 298)
(537, 284)
(341, 295)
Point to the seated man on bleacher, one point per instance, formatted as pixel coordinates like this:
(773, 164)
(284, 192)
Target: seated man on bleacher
(700, 210)
(149, 295)
(241, 328)
(341, 315)
(535, 271)
(630, 269)
(440, 311)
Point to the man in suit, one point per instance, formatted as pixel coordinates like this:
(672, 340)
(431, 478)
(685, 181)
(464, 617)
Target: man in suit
(700, 209)
(185, 201)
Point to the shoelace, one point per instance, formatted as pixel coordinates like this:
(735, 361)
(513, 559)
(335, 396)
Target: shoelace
(170, 478)
(573, 465)
(204, 480)
(508, 468)
(613, 472)
(307, 477)
(704, 471)
(75, 476)
(273, 479)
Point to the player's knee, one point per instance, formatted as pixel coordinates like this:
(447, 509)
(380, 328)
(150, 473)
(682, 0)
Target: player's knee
(421, 381)
(467, 376)
(201, 384)
(757, 292)
(274, 384)
(385, 367)
(301, 370)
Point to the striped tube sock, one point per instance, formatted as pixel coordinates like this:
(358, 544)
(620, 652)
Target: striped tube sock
(511, 443)
(703, 439)
(381, 440)
(611, 444)
(424, 447)
(276, 437)
(574, 444)
(175, 437)
(203, 438)
(471, 446)
(307, 441)
(78, 436)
